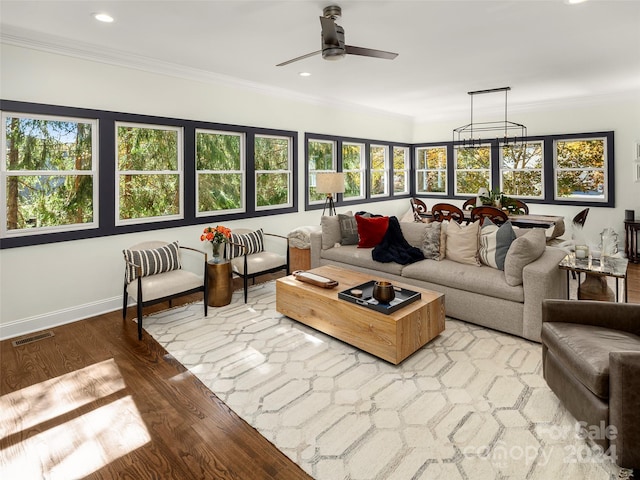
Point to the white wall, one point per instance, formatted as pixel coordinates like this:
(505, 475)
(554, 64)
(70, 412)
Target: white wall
(45, 285)
(622, 115)
(41, 286)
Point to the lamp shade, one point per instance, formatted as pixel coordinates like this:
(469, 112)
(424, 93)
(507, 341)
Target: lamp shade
(330, 182)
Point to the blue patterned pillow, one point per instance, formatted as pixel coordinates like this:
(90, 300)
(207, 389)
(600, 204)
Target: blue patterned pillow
(253, 241)
(494, 243)
(152, 261)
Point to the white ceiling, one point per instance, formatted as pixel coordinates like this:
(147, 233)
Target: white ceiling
(547, 51)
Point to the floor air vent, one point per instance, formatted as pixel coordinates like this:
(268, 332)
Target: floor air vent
(33, 338)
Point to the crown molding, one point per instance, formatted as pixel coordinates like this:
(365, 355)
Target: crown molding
(29, 39)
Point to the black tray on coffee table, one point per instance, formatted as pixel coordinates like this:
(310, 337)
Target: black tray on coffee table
(403, 298)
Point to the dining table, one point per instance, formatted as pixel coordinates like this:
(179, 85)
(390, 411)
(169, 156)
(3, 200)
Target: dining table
(553, 224)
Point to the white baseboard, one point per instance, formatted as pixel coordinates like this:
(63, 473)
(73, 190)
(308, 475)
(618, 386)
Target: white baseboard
(36, 323)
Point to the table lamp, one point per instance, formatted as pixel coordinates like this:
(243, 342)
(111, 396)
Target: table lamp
(330, 183)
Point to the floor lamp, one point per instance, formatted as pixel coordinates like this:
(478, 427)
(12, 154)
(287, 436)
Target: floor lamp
(329, 183)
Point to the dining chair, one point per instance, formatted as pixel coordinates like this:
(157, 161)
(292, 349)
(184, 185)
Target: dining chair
(446, 211)
(418, 206)
(521, 207)
(469, 204)
(496, 215)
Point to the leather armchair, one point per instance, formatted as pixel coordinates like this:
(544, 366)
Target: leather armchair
(591, 361)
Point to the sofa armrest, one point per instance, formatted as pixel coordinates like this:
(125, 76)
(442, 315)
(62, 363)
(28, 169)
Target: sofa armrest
(316, 248)
(541, 279)
(624, 407)
(617, 316)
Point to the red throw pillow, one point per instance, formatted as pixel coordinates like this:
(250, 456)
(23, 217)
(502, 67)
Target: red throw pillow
(371, 230)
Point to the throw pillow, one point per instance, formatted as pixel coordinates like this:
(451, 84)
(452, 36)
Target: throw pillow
(462, 242)
(431, 241)
(330, 230)
(371, 230)
(253, 241)
(408, 216)
(152, 261)
(494, 243)
(443, 238)
(348, 229)
(523, 251)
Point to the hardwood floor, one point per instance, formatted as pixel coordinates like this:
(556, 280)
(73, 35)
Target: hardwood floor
(120, 408)
(94, 402)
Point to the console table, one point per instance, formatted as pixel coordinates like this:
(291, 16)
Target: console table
(631, 249)
(596, 272)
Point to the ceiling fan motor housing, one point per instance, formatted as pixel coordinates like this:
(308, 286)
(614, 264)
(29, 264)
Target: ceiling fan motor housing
(334, 52)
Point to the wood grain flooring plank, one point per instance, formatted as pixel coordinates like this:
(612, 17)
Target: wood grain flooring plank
(164, 423)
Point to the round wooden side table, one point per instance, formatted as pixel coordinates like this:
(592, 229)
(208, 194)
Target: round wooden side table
(220, 283)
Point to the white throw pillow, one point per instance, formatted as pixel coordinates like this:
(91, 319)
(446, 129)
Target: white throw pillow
(462, 242)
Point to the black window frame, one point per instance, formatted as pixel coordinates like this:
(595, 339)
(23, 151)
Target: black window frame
(548, 168)
(338, 141)
(107, 168)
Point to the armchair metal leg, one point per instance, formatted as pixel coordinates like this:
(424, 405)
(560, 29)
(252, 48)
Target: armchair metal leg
(245, 288)
(125, 297)
(139, 312)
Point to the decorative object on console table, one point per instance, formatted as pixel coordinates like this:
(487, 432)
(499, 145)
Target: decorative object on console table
(330, 183)
(631, 247)
(220, 283)
(582, 252)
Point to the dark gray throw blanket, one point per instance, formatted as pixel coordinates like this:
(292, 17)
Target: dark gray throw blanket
(394, 247)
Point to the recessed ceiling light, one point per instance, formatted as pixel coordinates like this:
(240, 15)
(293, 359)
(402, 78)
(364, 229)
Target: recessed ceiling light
(103, 17)
(575, 2)
(304, 74)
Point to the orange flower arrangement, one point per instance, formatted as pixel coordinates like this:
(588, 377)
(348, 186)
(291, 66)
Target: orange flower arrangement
(216, 236)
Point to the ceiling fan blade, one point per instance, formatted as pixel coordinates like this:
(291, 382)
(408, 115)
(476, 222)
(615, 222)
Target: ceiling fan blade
(369, 52)
(298, 58)
(329, 32)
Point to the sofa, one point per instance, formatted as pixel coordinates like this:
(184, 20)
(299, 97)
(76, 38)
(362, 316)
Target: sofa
(474, 292)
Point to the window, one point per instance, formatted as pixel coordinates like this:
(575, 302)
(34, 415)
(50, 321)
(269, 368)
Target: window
(431, 170)
(220, 172)
(321, 158)
(273, 171)
(149, 173)
(521, 170)
(473, 170)
(353, 168)
(401, 169)
(379, 169)
(580, 169)
(48, 174)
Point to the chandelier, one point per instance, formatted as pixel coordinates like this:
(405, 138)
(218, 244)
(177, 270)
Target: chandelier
(474, 134)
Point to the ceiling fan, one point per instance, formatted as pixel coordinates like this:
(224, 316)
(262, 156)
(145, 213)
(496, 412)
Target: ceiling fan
(333, 46)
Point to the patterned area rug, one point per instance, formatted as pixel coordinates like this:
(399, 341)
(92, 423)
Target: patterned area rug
(472, 404)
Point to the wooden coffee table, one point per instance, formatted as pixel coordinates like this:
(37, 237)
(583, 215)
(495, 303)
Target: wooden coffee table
(391, 337)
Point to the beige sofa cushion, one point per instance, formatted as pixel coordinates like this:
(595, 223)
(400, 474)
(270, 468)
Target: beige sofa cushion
(359, 257)
(482, 280)
(522, 252)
